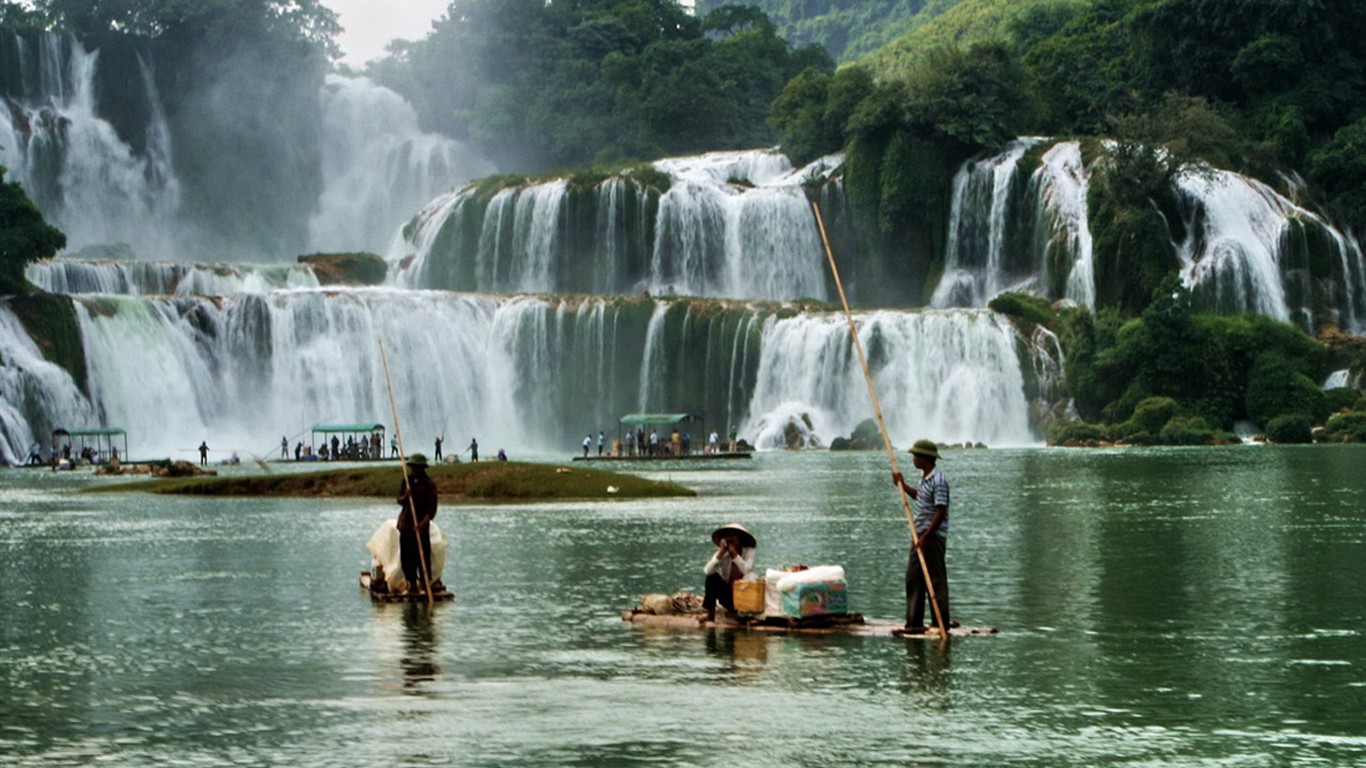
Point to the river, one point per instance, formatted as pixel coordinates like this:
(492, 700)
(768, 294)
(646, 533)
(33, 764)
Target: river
(1171, 607)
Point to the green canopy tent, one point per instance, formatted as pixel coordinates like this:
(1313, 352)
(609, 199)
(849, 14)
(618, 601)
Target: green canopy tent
(342, 431)
(667, 420)
(104, 440)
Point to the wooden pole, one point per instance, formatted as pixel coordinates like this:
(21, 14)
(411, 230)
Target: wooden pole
(403, 463)
(882, 425)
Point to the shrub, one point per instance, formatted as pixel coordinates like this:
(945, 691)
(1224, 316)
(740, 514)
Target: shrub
(1346, 428)
(1340, 398)
(1359, 405)
(1152, 413)
(1026, 307)
(1075, 433)
(1188, 430)
(1291, 428)
(1276, 387)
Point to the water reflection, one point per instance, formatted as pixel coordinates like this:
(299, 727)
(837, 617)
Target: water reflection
(927, 666)
(420, 643)
(745, 653)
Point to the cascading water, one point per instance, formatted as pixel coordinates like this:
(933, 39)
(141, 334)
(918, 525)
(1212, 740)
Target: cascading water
(378, 166)
(730, 225)
(1250, 249)
(87, 181)
(953, 375)
(524, 373)
(181, 278)
(1014, 232)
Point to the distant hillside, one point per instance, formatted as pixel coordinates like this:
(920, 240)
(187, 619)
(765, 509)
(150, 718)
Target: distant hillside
(1019, 23)
(847, 29)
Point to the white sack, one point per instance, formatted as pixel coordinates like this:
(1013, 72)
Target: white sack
(384, 550)
(786, 581)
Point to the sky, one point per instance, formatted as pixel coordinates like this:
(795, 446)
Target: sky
(371, 24)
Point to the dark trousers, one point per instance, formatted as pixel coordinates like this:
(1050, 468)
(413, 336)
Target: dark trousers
(718, 590)
(412, 561)
(916, 595)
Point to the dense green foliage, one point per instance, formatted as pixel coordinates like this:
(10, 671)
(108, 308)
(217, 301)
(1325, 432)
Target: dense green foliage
(1172, 375)
(308, 23)
(812, 113)
(540, 85)
(846, 28)
(25, 237)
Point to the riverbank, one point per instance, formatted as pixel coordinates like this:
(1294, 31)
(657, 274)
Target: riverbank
(473, 481)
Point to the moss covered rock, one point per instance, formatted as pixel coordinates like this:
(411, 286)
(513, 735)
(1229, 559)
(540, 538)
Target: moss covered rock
(347, 268)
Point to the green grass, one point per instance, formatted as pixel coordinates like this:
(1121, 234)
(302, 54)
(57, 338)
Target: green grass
(482, 481)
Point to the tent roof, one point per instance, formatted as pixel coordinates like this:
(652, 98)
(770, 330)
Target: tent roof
(98, 432)
(348, 427)
(642, 419)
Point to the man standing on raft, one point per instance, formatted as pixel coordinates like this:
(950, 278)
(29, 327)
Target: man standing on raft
(732, 561)
(932, 531)
(414, 522)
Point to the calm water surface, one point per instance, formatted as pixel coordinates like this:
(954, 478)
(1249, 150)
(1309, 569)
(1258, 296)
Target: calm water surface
(1156, 607)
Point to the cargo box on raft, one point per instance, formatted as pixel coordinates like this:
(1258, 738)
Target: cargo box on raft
(794, 600)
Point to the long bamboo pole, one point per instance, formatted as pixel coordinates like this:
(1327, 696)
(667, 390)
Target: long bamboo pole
(403, 462)
(882, 425)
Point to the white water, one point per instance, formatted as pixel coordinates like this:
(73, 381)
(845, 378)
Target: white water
(87, 181)
(1063, 181)
(974, 266)
(732, 225)
(521, 373)
(1237, 250)
(36, 396)
(379, 167)
(181, 278)
(952, 376)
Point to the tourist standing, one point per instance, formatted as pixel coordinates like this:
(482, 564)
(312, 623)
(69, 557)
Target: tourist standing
(437, 455)
(203, 453)
(474, 449)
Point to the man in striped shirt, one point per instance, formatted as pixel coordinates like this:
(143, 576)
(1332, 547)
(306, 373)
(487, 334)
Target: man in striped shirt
(932, 532)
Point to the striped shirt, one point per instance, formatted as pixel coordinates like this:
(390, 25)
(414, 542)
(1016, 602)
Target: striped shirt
(933, 492)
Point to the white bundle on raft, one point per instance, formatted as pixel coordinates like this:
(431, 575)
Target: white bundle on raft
(384, 550)
(784, 594)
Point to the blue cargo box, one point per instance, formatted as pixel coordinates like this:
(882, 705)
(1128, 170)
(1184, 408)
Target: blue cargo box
(822, 598)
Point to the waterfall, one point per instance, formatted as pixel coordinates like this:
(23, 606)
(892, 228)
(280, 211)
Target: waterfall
(87, 181)
(730, 225)
(378, 166)
(975, 262)
(36, 396)
(1066, 233)
(525, 373)
(1012, 232)
(181, 278)
(1250, 249)
(953, 376)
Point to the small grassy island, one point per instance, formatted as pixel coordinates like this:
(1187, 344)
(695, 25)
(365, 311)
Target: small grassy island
(474, 481)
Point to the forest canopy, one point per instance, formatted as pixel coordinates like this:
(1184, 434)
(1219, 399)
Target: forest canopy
(539, 85)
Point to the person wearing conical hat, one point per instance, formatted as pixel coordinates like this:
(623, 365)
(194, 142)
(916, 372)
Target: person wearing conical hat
(417, 502)
(732, 561)
(931, 497)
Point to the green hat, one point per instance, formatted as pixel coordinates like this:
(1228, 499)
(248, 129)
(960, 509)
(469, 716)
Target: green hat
(417, 460)
(925, 448)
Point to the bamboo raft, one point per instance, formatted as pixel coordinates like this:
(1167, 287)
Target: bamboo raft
(842, 624)
(367, 583)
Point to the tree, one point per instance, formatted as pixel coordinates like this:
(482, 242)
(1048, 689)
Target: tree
(25, 237)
